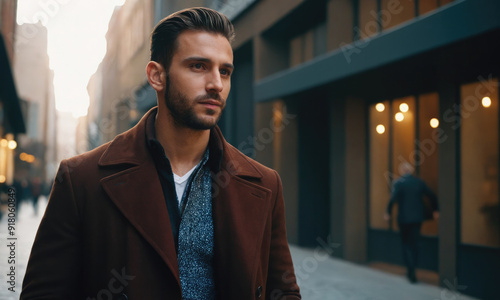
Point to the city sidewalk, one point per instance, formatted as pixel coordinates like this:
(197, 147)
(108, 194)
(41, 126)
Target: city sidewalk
(25, 230)
(320, 276)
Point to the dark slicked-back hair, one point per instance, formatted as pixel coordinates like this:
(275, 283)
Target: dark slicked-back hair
(164, 37)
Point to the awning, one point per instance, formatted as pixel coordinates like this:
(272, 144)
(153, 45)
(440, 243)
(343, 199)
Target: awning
(14, 121)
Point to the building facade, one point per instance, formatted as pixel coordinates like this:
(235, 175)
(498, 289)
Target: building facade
(335, 95)
(118, 90)
(11, 117)
(34, 80)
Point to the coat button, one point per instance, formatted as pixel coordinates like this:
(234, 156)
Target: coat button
(259, 291)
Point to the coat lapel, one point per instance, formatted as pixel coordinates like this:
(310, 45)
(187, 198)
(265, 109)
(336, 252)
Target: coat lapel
(137, 191)
(240, 209)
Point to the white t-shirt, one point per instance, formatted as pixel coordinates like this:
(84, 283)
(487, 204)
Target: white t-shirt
(181, 182)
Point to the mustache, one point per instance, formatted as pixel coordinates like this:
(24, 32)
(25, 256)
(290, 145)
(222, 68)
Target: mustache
(210, 96)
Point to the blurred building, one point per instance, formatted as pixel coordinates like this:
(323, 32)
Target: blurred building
(335, 95)
(94, 88)
(11, 117)
(67, 127)
(34, 80)
(118, 90)
(82, 135)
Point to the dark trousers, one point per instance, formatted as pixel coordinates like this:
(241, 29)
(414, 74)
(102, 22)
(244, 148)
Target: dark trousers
(410, 234)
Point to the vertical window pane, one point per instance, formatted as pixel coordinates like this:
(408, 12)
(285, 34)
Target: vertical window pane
(403, 138)
(444, 2)
(427, 148)
(479, 164)
(394, 12)
(379, 162)
(427, 6)
(403, 114)
(368, 24)
(296, 55)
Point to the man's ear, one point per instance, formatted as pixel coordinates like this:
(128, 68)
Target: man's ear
(156, 75)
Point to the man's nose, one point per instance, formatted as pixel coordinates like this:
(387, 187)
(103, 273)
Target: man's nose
(214, 83)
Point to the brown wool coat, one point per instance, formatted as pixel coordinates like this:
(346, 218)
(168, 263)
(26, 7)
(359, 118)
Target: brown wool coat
(106, 231)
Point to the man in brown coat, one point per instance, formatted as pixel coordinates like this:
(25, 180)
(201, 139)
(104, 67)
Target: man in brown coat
(168, 209)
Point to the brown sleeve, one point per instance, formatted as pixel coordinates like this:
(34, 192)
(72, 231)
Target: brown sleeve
(54, 265)
(281, 281)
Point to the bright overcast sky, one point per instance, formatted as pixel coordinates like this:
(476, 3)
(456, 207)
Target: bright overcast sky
(76, 43)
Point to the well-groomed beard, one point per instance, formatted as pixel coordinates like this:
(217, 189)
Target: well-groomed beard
(182, 109)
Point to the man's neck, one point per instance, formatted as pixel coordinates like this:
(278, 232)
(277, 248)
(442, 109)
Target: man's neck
(184, 147)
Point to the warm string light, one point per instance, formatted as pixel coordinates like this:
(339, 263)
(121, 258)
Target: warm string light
(399, 116)
(27, 157)
(12, 144)
(486, 102)
(380, 107)
(380, 129)
(404, 107)
(434, 122)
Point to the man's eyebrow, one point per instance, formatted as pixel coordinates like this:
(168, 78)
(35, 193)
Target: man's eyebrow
(207, 60)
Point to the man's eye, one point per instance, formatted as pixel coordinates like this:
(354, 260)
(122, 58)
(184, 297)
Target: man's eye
(198, 66)
(225, 72)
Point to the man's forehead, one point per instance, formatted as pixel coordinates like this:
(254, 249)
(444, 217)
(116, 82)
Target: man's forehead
(202, 43)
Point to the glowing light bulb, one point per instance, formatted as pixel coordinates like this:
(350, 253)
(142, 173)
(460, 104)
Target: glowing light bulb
(12, 144)
(434, 122)
(380, 129)
(399, 117)
(380, 107)
(403, 107)
(486, 101)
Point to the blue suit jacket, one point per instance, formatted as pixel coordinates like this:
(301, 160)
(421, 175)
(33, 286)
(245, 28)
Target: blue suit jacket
(408, 192)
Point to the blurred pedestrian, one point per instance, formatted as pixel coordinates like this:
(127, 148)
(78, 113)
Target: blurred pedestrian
(408, 192)
(36, 192)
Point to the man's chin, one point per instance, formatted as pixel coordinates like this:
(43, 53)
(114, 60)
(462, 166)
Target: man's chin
(202, 124)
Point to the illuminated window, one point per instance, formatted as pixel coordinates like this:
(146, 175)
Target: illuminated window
(393, 12)
(428, 149)
(379, 161)
(479, 164)
(408, 140)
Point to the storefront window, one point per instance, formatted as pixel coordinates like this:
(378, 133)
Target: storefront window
(479, 163)
(394, 12)
(403, 139)
(368, 19)
(379, 162)
(373, 19)
(394, 128)
(427, 149)
(427, 6)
